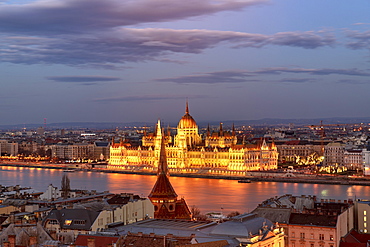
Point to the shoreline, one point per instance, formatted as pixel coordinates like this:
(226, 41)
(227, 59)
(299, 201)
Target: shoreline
(259, 177)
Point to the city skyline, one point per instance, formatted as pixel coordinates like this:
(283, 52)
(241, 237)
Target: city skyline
(137, 61)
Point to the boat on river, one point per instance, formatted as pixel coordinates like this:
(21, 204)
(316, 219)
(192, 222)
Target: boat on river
(244, 181)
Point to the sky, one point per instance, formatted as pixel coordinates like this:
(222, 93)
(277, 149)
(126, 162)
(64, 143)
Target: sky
(140, 60)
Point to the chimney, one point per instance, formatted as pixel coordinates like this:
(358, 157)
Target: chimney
(12, 218)
(169, 235)
(11, 239)
(91, 242)
(151, 235)
(33, 241)
(140, 234)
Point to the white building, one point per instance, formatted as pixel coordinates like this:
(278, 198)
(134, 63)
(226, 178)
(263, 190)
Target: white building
(73, 151)
(334, 154)
(353, 159)
(8, 148)
(366, 161)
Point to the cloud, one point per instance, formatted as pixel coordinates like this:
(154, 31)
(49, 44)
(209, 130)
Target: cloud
(82, 78)
(109, 48)
(210, 78)
(296, 80)
(73, 16)
(353, 82)
(349, 72)
(308, 40)
(361, 40)
(147, 98)
(243, 76)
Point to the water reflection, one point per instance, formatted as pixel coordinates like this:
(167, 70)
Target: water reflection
(206, 194)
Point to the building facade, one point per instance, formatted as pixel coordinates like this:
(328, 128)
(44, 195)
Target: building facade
(188, 151)
(288, 151)
(334, 154)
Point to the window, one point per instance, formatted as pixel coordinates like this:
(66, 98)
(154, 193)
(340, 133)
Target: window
(365, 225)
(302, 235)
(67, 222)
(53, 222)
(364, 218)
(331, 238)
(365, 212)
(79, 222)
(311, 235)
(321, 236)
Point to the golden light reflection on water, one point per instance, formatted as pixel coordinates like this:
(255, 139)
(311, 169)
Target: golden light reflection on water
(207, 194)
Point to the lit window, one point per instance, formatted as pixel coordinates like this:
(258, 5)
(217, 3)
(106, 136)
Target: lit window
(365, 224)
(67, 222)
(365, 212)
(365, 230)
(364, 218)
(331, 238)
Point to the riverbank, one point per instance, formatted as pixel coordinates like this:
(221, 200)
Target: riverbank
(252, 176)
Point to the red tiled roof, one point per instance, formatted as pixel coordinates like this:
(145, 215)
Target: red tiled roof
(162, 188)
(152, 240)
(100, 241)
(355, 237)
(292, 142)
(182, 210)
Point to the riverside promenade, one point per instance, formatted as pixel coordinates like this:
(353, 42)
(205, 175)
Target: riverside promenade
(260, 176)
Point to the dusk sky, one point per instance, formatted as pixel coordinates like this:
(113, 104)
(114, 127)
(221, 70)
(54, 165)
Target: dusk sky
(139, 60)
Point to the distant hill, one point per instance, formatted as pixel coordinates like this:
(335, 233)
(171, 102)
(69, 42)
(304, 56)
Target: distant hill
(259, 122)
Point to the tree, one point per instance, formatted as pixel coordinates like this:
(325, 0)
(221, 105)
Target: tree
(195, 212)
(232, 214)
(66, 187)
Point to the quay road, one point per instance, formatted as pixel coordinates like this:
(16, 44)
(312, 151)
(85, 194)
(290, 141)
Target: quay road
(208, 194)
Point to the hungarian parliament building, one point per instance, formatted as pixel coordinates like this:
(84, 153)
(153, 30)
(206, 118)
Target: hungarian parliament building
(189, 152)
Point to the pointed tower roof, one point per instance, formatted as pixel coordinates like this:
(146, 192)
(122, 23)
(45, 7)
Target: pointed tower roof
(163, 188)
(158, 131)
(221, 130)
(187, 121)
(144, 130)
(187, 107)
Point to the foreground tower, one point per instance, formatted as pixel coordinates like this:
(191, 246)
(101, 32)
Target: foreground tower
(164, 197)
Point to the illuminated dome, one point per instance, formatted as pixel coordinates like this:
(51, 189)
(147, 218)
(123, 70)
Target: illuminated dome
(187, 121)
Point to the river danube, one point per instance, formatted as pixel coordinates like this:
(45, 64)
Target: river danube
(207, 194)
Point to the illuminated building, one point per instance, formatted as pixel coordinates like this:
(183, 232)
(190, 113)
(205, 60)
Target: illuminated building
(187, 151)
(164, 197)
